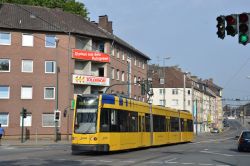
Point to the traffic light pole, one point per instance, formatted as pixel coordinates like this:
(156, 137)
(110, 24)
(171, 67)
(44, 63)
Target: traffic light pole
(22, 137)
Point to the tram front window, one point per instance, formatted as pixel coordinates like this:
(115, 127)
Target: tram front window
(86, 115)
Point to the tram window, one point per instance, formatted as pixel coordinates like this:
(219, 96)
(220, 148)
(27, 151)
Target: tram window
(124, 124)
(159, 123)
(174, 124)
(105, 120)
(185, 126)
(190, 125)
(167, 125)
(182, 124)
(133, 118)
(147, 122)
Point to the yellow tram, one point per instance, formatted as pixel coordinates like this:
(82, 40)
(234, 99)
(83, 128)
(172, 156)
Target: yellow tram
(111, 123)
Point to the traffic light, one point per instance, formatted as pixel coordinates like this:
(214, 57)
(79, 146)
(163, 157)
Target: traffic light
(221, 27)
(24, 112)
(231, 27)
(57, 115)
(243, 28)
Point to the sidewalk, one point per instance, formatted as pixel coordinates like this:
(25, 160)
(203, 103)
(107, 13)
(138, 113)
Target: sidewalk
(39, 142)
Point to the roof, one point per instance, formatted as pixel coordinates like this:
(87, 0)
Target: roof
(36, 18)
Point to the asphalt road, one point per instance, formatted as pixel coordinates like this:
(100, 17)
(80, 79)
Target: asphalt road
(207, 150)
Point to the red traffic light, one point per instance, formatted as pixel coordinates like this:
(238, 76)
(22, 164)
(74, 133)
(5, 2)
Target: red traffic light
(230, 20)
(243, 18)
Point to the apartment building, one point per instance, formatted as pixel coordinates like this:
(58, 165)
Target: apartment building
(48, 56)
(176, 89)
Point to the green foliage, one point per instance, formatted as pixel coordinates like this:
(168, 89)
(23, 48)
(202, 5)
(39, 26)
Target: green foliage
(67, 5)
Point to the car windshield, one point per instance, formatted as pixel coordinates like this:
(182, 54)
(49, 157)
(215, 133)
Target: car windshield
(246, 135)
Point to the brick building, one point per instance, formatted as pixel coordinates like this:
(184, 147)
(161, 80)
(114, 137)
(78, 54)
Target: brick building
(47, 56)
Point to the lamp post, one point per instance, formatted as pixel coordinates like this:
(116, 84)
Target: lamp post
(164, 77)
(57, 72)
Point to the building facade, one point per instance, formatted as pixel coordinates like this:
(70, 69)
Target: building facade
(48, 56)
(176, 89)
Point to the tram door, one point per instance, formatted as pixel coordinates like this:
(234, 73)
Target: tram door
(141, 129)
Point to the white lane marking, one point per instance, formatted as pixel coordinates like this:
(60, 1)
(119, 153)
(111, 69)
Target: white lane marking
(89, 160)
(129, 161)
(213, 140)
(154, 162)
(171, 162)
(187, 163)
(204, 164)
(228, 155)
(105, 161)
(170, 159)
(222, 165)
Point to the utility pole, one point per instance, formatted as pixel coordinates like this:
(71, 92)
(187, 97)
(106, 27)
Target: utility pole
(57, 86)
(184, 91)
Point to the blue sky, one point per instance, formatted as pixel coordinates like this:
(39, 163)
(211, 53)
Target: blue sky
(185, 30)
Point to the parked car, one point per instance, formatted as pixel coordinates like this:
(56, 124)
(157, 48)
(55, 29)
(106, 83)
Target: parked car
(244, 141)
(214, 130)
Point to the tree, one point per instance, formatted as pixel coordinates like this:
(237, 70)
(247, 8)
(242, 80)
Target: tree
(67, 5)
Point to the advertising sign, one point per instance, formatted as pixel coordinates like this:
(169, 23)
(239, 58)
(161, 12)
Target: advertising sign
(90, 80)
(90, 55)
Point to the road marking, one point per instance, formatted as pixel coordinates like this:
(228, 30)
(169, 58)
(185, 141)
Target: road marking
(228, 155)
(222, 165)
(204, 164)
(187, 163)
(89, 160)
(170, 159)
(128, 161)
(105, 161)
(154, 162)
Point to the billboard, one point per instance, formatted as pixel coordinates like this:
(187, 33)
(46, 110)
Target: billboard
(90, 80)
(90, 55)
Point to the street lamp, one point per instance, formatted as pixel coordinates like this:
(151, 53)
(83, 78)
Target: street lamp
(164, 77)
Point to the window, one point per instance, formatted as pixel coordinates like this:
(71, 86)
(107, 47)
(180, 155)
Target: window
(48, 120)
(174, 124)
(118, 121)
(143, 65)
(175, 91)
(112, 51)
(5, 38)
(159, 123)
(49, 93)
(50, 67)
(123, 55)
(4, 119)
(27, 120)
(50, 41)
(162, 91)
(4, 92)
(26, 92)
(113, 73)
(135, 79)
(175, 102)
(27, 66)
(189, 92)
(4, 65)
(117, 74)
(135, 61)
(118, 53)
(123, 76)
(189, 102)
(162, 102)
(27, 39)
(162, 81)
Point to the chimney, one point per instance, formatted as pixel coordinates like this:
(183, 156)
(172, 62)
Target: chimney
(105, 24)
